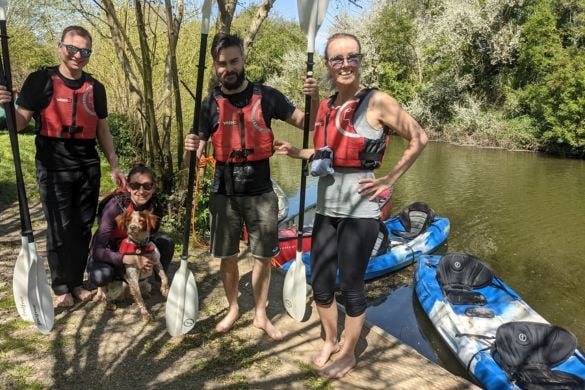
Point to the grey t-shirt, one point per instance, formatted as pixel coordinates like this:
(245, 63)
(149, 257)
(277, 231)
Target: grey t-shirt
(337, 194)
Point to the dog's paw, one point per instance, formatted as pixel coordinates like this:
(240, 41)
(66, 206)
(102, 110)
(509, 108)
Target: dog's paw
(164, 291)
(146, 317)
(99, 296)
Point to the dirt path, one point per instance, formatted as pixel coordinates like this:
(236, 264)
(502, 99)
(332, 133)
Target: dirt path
(93, 348)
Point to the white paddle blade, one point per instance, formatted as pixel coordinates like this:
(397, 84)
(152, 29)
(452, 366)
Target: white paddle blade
(39, 293)
(294, 292)
(182, 302)
(311, 15)
(20, 282)
(3, 9)
(205, 15)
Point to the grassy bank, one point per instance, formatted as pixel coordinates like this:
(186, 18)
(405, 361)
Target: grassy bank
(8, 192)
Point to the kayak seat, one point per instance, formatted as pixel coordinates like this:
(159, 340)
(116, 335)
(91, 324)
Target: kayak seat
(382, 244)
(459, 274)
(415, 218)
(527, 351)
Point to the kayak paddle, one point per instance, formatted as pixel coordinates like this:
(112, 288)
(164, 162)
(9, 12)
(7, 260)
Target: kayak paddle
(30, 285)
(294, 293)
(183, 300)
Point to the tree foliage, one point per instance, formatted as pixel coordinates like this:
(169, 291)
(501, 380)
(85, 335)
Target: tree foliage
(508, 63)
(549, 79)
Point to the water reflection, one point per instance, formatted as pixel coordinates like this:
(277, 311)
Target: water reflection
(412, 326)
(523, 213)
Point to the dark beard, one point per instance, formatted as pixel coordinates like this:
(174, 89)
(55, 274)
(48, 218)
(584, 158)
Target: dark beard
(230, 86)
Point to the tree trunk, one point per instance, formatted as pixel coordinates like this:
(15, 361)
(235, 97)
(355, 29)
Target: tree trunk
(261, 15)
(173, 28)
(153, 136)
(227, 9)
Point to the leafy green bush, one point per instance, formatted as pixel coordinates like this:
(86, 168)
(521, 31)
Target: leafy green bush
(128, 142)
(173, 221)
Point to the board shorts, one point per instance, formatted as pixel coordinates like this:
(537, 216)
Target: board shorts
(259, 213)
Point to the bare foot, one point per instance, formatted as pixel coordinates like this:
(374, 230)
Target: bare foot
(270, 330)
(323, 356)
(228, 321)
(100, 295)
(65, 300)
(82, 294)
(341, 366)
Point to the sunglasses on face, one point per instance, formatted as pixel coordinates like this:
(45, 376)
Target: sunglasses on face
(136, 186)
(72, 50)
(337, 62)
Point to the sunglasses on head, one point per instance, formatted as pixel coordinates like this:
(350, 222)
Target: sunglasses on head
(136, 186)
(337, 62)
(72, 50)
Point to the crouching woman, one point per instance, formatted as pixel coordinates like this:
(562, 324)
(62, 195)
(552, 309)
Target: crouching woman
(106, 263)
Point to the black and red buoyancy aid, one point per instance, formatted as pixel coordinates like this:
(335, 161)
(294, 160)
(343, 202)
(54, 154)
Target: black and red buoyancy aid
(334, 127)
(242, 134)
(71, 112)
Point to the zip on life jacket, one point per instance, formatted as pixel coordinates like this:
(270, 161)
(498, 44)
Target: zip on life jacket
(71, 112)
(242, 134)
(335, 127)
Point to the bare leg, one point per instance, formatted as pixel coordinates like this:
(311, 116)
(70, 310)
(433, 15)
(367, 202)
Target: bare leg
(346, 359)
(328, 315)
(260, 285)
(230, 276)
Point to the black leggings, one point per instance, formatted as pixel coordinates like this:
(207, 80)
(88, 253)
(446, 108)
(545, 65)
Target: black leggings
(344, 243)
(101, 273)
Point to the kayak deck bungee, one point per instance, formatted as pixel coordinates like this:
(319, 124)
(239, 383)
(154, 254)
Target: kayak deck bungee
(401, 252)
(467, 311)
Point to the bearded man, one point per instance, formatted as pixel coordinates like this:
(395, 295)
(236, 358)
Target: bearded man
(237, 118)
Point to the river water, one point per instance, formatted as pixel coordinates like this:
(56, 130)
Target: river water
(523, 213)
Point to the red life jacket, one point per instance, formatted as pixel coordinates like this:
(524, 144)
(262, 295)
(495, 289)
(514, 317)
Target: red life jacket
(70, 113)
(242, 134)
(334, 127)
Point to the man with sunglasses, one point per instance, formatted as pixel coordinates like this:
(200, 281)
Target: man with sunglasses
(70, 110)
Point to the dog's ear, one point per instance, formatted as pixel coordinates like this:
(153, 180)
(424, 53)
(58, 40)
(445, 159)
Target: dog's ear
(151, 220)
(121, 220)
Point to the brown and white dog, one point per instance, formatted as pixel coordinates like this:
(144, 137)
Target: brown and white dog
(138, 225)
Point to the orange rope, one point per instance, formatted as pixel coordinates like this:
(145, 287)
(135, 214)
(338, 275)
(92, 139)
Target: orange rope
(203, 163)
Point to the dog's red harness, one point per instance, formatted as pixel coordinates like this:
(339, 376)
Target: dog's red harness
(128, 247)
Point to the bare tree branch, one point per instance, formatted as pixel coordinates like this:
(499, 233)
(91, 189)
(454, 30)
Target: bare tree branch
(261, 15)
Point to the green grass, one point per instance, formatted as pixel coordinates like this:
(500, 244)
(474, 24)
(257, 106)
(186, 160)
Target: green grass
(26, 142)
(8, 193)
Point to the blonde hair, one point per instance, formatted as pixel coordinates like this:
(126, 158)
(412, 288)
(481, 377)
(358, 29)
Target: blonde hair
(340, 36)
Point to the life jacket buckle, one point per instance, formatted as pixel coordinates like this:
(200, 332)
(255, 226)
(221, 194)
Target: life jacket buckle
(72, 129)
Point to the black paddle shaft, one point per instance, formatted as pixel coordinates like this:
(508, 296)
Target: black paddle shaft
(304, 163)
(193, 159)
(6, 80)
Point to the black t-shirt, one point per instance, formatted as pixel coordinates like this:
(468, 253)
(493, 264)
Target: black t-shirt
(250, 178)
(54, 153)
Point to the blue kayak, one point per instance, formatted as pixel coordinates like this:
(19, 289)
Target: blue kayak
(495, 334)
(401, 252)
